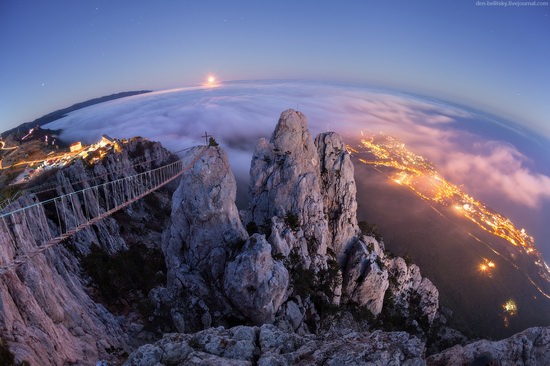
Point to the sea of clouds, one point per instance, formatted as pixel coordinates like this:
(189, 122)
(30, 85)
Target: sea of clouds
(483, 155)
(237, 114)
(498, 163)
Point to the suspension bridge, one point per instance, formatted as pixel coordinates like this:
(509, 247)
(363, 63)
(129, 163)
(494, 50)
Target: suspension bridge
(37, 226)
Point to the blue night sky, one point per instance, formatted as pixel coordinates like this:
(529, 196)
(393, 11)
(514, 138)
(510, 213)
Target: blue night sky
(494, 58)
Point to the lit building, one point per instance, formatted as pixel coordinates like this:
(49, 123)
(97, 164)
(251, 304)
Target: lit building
(106, 140)
(76, 146)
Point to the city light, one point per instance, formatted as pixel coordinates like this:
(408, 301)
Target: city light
(419, 175)
(510, 307)
(487, 267)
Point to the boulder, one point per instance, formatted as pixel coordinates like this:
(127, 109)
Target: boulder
(530, 347)
(364, 282)
(255, 283)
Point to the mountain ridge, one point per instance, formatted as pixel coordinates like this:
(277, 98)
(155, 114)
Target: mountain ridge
(294, 280)
(60, 113)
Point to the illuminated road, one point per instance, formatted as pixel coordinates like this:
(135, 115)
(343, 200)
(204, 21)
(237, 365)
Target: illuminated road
(7, 148)
(27, 162)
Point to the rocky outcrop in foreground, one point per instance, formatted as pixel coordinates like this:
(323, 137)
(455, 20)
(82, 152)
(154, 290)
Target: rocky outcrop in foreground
(293, 280)
(302, 249)
(530, 347)
(302, 264)
(267, 346)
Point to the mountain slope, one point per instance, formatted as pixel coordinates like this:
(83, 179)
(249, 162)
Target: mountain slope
(60, 113)
(450, 249)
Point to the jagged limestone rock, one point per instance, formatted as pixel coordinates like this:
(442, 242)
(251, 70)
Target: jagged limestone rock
(270, 346)
(285, 182)
(255, 283)
(365, 283)
(205, 221)
(339, 192)
(47, 314)
(409, 286)
(205, 229)
(530, 347)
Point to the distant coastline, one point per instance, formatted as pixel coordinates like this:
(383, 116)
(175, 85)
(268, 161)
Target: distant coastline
(60, 113)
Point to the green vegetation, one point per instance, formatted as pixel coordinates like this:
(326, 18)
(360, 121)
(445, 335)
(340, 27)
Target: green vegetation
(126, 275)
(212, 142)
(7, 358)
(370, 230)
(318, 286)
(389, 254)
(238, 245)
(252, 228)
(303, 279)
(328, 279)
(278, 256)
(292, 221)
(7, 192)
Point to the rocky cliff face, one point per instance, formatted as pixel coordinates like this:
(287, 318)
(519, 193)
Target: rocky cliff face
(339, 192)
(300, 285)
(285, 183)
(205, 220)
(530, 347)
(268, 345)
(303, 250)
(47, 313)
(315, 286)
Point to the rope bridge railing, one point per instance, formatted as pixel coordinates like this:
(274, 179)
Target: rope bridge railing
(140, 161)
(30, 230)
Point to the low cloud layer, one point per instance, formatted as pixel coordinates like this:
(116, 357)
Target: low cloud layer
(501, 168)
(237, 114)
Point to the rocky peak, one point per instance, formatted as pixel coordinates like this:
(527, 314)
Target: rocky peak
(204, 232)
(285, 183)
(339, 192)
(205, 221)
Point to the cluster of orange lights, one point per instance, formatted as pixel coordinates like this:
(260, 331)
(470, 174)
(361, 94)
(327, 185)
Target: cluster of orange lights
(421, 177)
(486, 266)
(510, 310)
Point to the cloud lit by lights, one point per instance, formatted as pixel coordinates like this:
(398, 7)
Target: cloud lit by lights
(240, 113)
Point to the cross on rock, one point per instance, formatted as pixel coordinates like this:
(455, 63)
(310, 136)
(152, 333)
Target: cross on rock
(206, 136)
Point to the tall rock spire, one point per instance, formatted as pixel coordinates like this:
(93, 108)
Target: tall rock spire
(285, 182)
(339, 193)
